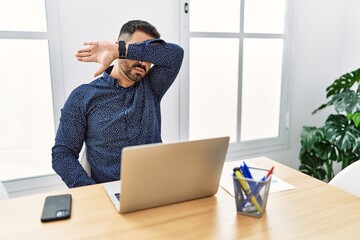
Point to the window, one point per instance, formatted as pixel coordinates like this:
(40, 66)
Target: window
(234, 78)
(28, 40)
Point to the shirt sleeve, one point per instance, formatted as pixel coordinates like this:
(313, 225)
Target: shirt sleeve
(68, 143)
(166, 59)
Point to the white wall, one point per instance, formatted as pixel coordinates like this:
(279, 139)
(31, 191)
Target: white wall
(351, 50)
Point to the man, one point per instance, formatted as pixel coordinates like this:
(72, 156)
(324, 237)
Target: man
(121, 108)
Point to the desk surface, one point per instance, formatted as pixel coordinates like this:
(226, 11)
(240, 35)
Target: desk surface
(314, 210)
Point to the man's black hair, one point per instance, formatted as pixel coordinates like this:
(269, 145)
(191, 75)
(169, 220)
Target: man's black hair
(128, 29)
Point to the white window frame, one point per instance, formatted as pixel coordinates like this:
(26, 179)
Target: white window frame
(34, 184)
(238, 149)
(53, 36)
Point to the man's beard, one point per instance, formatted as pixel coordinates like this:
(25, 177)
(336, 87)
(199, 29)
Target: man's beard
(134, 77)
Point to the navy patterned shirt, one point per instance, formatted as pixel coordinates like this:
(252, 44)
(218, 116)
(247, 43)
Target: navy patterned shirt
(108, 117)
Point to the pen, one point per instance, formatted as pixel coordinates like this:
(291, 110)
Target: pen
(270, 172)
(246, 172)
(258, 187)
(253, 186)
(246, 189)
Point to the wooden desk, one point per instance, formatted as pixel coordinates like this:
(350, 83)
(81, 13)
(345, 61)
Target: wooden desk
(314, 210)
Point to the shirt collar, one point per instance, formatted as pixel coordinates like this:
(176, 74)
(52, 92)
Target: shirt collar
(113, 81)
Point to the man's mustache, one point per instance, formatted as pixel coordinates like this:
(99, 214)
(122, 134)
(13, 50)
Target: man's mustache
(139, 66)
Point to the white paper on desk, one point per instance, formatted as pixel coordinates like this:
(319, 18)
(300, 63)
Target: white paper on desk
(226, 181)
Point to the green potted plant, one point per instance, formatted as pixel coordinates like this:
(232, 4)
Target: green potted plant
(339, 139)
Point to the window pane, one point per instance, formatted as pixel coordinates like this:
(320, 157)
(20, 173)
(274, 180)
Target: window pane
(26, 123)
(261, 89)
(264, 16)
(213, 87)
(23, 15)
(214, 16)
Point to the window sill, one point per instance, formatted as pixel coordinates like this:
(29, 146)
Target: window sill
(34, 185)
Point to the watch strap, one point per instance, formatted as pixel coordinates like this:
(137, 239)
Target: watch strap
(122, 49)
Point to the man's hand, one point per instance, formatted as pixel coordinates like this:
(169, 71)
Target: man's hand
(102, 52)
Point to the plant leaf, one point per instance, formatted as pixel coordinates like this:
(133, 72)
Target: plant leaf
(347, 157)
(341, 133)
(311, 165)
(346, 81)
(356, 119)
(343, 100)
(310, 136)
(326, 151)
(347, 101)
(323, 106)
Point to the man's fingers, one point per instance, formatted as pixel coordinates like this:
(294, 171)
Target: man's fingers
(85, 58)
(89, 43)
(80, 59)
(85, 50)
(83, 54)
(88, 47)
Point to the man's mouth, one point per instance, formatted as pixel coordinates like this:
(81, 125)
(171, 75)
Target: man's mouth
(140, 68)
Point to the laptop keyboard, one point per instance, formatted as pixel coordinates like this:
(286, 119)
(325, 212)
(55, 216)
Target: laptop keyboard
(117, 195)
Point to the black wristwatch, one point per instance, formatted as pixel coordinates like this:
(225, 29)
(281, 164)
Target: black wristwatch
(122, 49)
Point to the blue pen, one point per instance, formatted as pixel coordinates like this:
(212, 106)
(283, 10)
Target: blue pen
(255, 187)
(246, 172)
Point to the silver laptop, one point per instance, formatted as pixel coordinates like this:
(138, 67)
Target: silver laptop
(158, 174)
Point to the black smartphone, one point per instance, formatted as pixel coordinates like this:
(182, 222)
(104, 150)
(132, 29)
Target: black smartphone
(56, 207)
